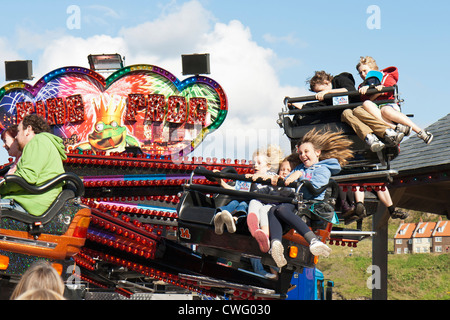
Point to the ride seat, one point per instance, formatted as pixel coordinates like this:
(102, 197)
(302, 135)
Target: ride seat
(18, 220)
(195, 207)
(296, 132)
(47, 216)
(58, 234)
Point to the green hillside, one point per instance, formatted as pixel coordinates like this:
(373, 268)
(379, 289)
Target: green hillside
(410, 277)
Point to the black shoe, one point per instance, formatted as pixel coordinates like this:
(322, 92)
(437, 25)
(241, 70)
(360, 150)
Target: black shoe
(360, 210)
(346, 208)
(398, 214)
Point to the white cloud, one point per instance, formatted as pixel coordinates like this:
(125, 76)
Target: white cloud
(246, 72)
(8, 53)
(73, 51)
(172, 34)
(242, 67)
(30, 41)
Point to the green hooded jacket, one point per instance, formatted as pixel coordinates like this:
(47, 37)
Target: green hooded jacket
(40, 162)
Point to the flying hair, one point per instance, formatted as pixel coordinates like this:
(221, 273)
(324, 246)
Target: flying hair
(332, 144)
(320, 77)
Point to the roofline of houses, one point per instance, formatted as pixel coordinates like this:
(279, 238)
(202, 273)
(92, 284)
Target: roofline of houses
(438, 226)
(430, 229)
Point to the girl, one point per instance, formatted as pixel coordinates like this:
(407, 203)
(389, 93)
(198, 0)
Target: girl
(389, 113)
(322, 154)
(257, 218)
(229, 214)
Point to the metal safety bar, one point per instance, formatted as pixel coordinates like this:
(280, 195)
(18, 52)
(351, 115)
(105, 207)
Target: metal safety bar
(241, 194)
(241, 177)
(338, 94)
(330, 108)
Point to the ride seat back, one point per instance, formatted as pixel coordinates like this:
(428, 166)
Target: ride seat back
(196, 207)
(295, 133)
(47, 216)
(55, 220)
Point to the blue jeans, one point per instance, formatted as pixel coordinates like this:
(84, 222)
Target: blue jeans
(258, 266)
(236, 208)
(6, 204)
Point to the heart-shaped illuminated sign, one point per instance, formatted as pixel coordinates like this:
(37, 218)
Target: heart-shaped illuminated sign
(138, 106)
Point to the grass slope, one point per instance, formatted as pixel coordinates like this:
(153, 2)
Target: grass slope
(410, 277)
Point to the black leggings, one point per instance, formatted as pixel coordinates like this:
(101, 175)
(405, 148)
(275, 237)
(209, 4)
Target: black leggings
(284, 215)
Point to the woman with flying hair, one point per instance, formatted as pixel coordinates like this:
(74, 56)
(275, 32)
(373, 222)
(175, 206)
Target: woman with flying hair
(322, 154)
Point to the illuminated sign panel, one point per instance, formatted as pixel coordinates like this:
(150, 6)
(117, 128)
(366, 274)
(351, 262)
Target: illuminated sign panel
(141, 106)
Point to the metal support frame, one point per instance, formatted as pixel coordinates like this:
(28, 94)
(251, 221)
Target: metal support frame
(380, 253)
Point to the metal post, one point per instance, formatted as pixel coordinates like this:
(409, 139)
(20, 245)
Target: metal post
(380, 252)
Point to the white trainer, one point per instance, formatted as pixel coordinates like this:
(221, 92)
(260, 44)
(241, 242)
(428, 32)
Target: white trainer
(318, 248)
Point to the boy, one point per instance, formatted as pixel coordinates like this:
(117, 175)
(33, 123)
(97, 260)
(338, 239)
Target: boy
(389, 113)
(366, 126)
(323, 83)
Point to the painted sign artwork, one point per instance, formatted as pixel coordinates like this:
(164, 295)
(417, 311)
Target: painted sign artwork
(140, 106)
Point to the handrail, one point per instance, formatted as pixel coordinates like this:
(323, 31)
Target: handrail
(329, 108)
(240, 194)
(234, 176)
(67, 176)
(338, 94)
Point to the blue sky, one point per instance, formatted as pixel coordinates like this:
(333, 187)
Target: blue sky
(261, 51)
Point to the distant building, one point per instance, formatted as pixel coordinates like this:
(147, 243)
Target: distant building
(441, 237)
(423, 237)
(403, 238)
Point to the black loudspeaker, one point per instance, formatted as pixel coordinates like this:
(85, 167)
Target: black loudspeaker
(18, 70)
(195, 63)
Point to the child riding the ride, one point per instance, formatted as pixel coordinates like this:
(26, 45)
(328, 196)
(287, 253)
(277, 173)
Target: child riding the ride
(389, 112)
(322, 154)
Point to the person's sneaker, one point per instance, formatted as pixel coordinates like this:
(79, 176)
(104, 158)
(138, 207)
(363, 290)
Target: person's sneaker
(399, 214)
(347, 209)
(277, 253)
(393, 138)
(425, 136)
(406, 130)
(375, 144)
(227, 218)
(263, 240)
(271, 276)
(360, 210)
(252, 223)
(318, 248)
(218, 223)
